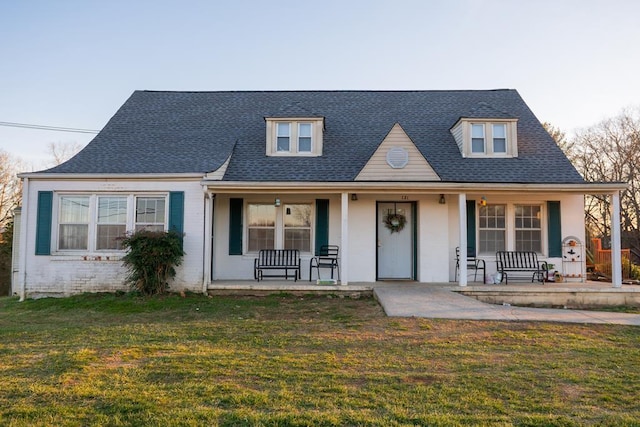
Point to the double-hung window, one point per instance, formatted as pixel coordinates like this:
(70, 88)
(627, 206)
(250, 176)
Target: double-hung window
(528, 228)
(492, 228)
(150, 213)
(288, 226)
(98, 222)
(112, 222)
(304, 137)
(499, 138)
(510, 227)
(283, 137)
(477, 138)
(261, 226)
(294, 136)
(297, 227)
(73, 223)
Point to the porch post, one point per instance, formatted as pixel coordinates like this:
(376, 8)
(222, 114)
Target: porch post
(616, 248)
(344, 240)
(462, 226)
(206, 258)
(24, 230)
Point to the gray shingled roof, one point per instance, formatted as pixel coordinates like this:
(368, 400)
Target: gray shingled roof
(195, 132)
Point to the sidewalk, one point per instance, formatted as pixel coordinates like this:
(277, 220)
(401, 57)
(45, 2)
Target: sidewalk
(418, 300)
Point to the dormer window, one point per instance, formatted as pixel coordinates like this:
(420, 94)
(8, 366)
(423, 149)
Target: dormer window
(486, 137)
(283, 137)
(477, 138)
(294, 137)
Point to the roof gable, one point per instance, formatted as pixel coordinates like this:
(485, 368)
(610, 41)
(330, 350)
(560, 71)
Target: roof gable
(387, 163)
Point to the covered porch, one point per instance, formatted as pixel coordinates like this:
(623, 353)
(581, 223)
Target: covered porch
(438, 223)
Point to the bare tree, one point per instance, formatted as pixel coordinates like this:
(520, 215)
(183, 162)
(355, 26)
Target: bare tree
(560, 137)
(62, 151)
(10, 187)
(610, 151)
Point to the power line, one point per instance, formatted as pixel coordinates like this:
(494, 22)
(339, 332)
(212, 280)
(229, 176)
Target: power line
(44, 127)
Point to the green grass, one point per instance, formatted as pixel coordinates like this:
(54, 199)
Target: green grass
(287, 360)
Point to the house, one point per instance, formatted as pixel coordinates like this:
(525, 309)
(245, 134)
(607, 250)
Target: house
(397, 179)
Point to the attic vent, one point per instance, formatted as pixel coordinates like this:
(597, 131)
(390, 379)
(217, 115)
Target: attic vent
(397, 157)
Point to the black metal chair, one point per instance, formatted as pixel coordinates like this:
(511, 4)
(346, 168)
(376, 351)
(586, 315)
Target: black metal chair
(473, 263)
(328, 257)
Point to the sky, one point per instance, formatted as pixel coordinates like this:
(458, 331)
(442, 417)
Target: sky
(73, 63)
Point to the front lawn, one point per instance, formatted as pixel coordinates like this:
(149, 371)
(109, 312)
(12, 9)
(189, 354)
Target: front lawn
(316, 360)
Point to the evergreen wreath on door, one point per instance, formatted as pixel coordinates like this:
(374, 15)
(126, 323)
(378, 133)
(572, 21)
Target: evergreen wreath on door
(395, 221)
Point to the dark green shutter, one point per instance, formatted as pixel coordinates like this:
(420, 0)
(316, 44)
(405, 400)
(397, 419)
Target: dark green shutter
(43, 223)
(471, 226)
(235, 227)
(176, 212)
(554, 229)
(322, 223)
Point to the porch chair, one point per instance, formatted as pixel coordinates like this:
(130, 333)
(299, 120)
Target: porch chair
(473, 263)
(328, 257)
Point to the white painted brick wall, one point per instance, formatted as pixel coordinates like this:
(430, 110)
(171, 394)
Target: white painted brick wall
(67, 274)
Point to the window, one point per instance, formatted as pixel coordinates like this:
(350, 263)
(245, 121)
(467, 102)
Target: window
(112, 222)
(304, 137)
(96, 222)
(297, 227)
(73, 233)
(150, 213)
(477, 138)
(288, 226)
(261, 225)
(528, 228)
(492, 228)
(486, 137)
(294, 136)
(499, 138)
(283, 137)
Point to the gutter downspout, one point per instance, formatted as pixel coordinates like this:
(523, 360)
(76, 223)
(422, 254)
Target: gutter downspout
(24, 229)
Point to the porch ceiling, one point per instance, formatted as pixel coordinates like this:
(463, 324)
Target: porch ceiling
(409, 187)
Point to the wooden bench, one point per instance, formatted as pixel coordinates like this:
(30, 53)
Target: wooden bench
(287, 260)
(520, 262)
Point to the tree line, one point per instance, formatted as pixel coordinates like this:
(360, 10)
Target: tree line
(608, 151)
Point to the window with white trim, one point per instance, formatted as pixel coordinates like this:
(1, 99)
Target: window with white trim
(294, 137)
(486, 137)
(499, 132)
(304, 137)
(150, 213)
(528, 228)
(283, 137)
(73, 223)
(261, 226)
(297, 227)
(98, 222)
(288, 226)
(112, 222)
(492, 228)
(517, 226)
(477, 138)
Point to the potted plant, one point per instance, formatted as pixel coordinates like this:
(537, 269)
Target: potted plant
(550, 271)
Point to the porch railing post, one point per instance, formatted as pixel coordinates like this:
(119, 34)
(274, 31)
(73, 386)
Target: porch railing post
(344, 244)
(616, 248)
(462, 218)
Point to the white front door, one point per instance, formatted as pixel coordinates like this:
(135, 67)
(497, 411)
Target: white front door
(395, 241)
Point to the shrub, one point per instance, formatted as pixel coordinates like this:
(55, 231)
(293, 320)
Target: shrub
(151, 260)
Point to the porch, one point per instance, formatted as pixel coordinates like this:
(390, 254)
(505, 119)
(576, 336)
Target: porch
(574, 295)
